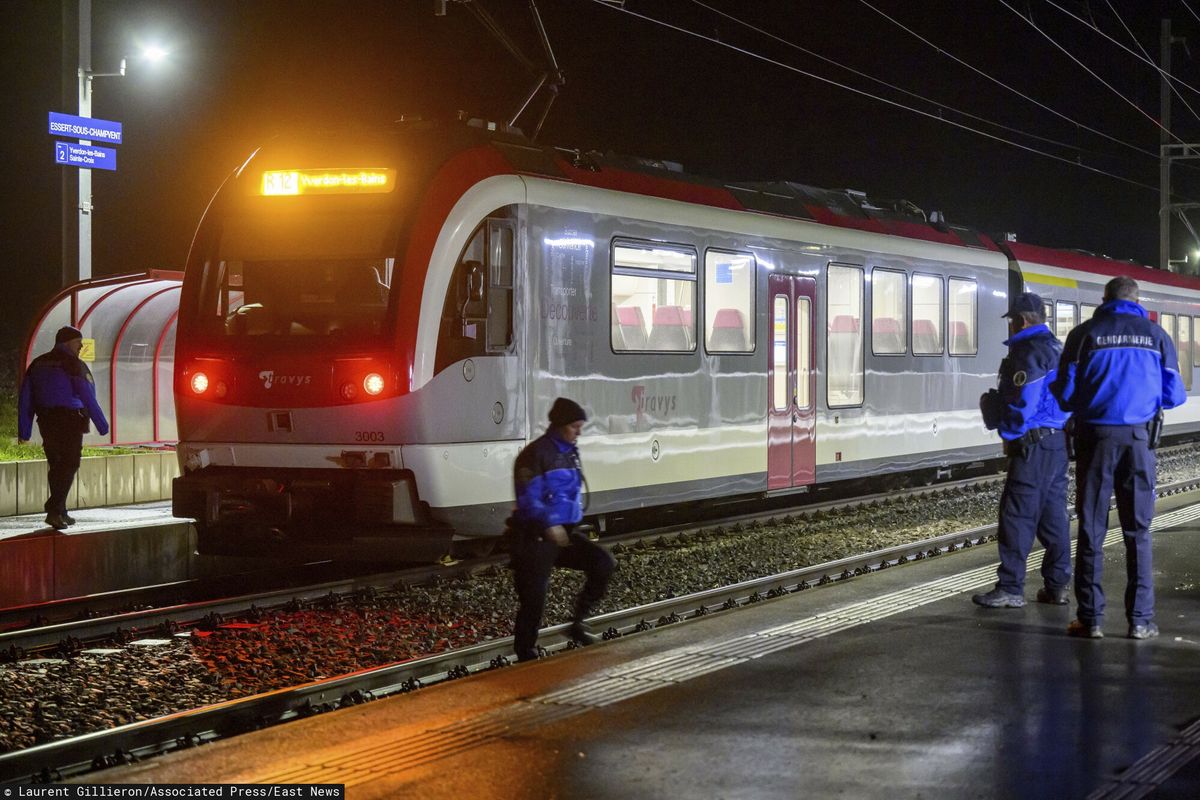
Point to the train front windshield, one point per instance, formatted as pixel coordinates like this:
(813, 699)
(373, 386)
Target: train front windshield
(292, 297)
(310, 268)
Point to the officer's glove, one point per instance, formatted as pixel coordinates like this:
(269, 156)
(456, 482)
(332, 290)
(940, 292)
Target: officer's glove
(992, 408)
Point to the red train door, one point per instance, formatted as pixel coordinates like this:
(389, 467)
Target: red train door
(791, 428)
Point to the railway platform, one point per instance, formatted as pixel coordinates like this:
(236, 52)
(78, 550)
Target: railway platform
(891, 686)
(109, 549)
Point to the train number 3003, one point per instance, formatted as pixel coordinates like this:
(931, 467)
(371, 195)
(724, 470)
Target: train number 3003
(369, 436)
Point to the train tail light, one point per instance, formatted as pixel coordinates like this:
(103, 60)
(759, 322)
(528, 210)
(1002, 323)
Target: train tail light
(220, 390)
(199, 383)
(349, 391)
(373, 384)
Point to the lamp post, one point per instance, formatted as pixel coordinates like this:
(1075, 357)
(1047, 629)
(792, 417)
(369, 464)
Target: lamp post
(86, 76)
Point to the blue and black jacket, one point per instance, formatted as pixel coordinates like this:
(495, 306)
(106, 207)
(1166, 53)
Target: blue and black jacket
(1118, 368)
(1025, 378)
(57, 380)
(548, 480)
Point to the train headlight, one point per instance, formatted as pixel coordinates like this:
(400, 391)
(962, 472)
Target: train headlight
(348, 391)
(199, 383)
(373, 383)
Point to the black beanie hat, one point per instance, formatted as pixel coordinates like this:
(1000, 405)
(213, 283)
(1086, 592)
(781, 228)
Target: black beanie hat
(565, 411)
(66, 333)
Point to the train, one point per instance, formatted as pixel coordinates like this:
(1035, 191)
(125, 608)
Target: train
(373, 324)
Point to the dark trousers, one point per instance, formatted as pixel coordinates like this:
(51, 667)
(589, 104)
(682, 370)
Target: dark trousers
(1114, 458)
(62, 440)
(1034, 504)
(532, 561)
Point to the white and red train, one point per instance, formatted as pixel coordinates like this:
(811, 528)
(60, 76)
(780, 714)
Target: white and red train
(372, 326)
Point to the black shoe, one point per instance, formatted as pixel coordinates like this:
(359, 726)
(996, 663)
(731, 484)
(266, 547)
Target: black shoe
(70, 520)
(528, 655)
(1055, 597)
(1142, 630)
(998, 598)
(580, 635)
(56, 521)
(1085, 630)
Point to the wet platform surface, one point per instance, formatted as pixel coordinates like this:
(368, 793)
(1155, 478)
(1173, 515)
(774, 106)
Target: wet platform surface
(891, 686)
(91, 520)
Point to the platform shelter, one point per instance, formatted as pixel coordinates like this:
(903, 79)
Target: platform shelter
(128, 323)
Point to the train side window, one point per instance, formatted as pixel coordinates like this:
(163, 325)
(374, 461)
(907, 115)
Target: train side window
(729, 281)
(1167, 321)
(477, 314)
(1048, 310)
(1196, 347)
(962, 313)
(889, 312)
(501, 247)
(779, 341)
(1064, 318)
(844, 340)
(1086, 310)
(1183, 349)
(927, 337)
(653, 297)
(803, 353)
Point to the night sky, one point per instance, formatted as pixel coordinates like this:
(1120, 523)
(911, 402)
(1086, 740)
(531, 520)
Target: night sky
(241, 72)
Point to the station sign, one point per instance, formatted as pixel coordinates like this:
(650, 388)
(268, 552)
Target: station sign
(87, 156)
(86, 128)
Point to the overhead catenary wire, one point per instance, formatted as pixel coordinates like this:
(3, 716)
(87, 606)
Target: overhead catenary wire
(939, 104)
(1189, 9)
(1028, 21)
(1007, 87)
(1171, 79)
(863, 93)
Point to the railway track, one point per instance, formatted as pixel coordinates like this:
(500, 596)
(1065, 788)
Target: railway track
(164, 609)
(154, 610)
(62, 759)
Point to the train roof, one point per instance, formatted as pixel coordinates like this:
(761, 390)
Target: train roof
(842, 208)
(1080, 261)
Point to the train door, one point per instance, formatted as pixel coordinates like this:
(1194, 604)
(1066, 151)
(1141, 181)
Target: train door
(791, 416)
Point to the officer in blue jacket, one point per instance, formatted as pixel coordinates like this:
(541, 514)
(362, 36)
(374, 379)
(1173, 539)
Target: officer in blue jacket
(548, 479)
(1034, 501)
(1118, 371)
(58, 389)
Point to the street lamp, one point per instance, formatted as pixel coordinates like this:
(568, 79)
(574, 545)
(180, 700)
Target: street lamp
(152, 54)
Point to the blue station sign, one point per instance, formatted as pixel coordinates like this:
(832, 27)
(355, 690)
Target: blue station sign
(104, 131)
(87, 156)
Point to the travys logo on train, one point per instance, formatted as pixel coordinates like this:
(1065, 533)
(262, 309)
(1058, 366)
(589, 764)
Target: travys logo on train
(657, 404)
(269, 379)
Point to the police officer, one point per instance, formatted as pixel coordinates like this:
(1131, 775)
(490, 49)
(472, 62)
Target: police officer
(58, 389)
(548, 479)
(1034, 501)
(1118, 371)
